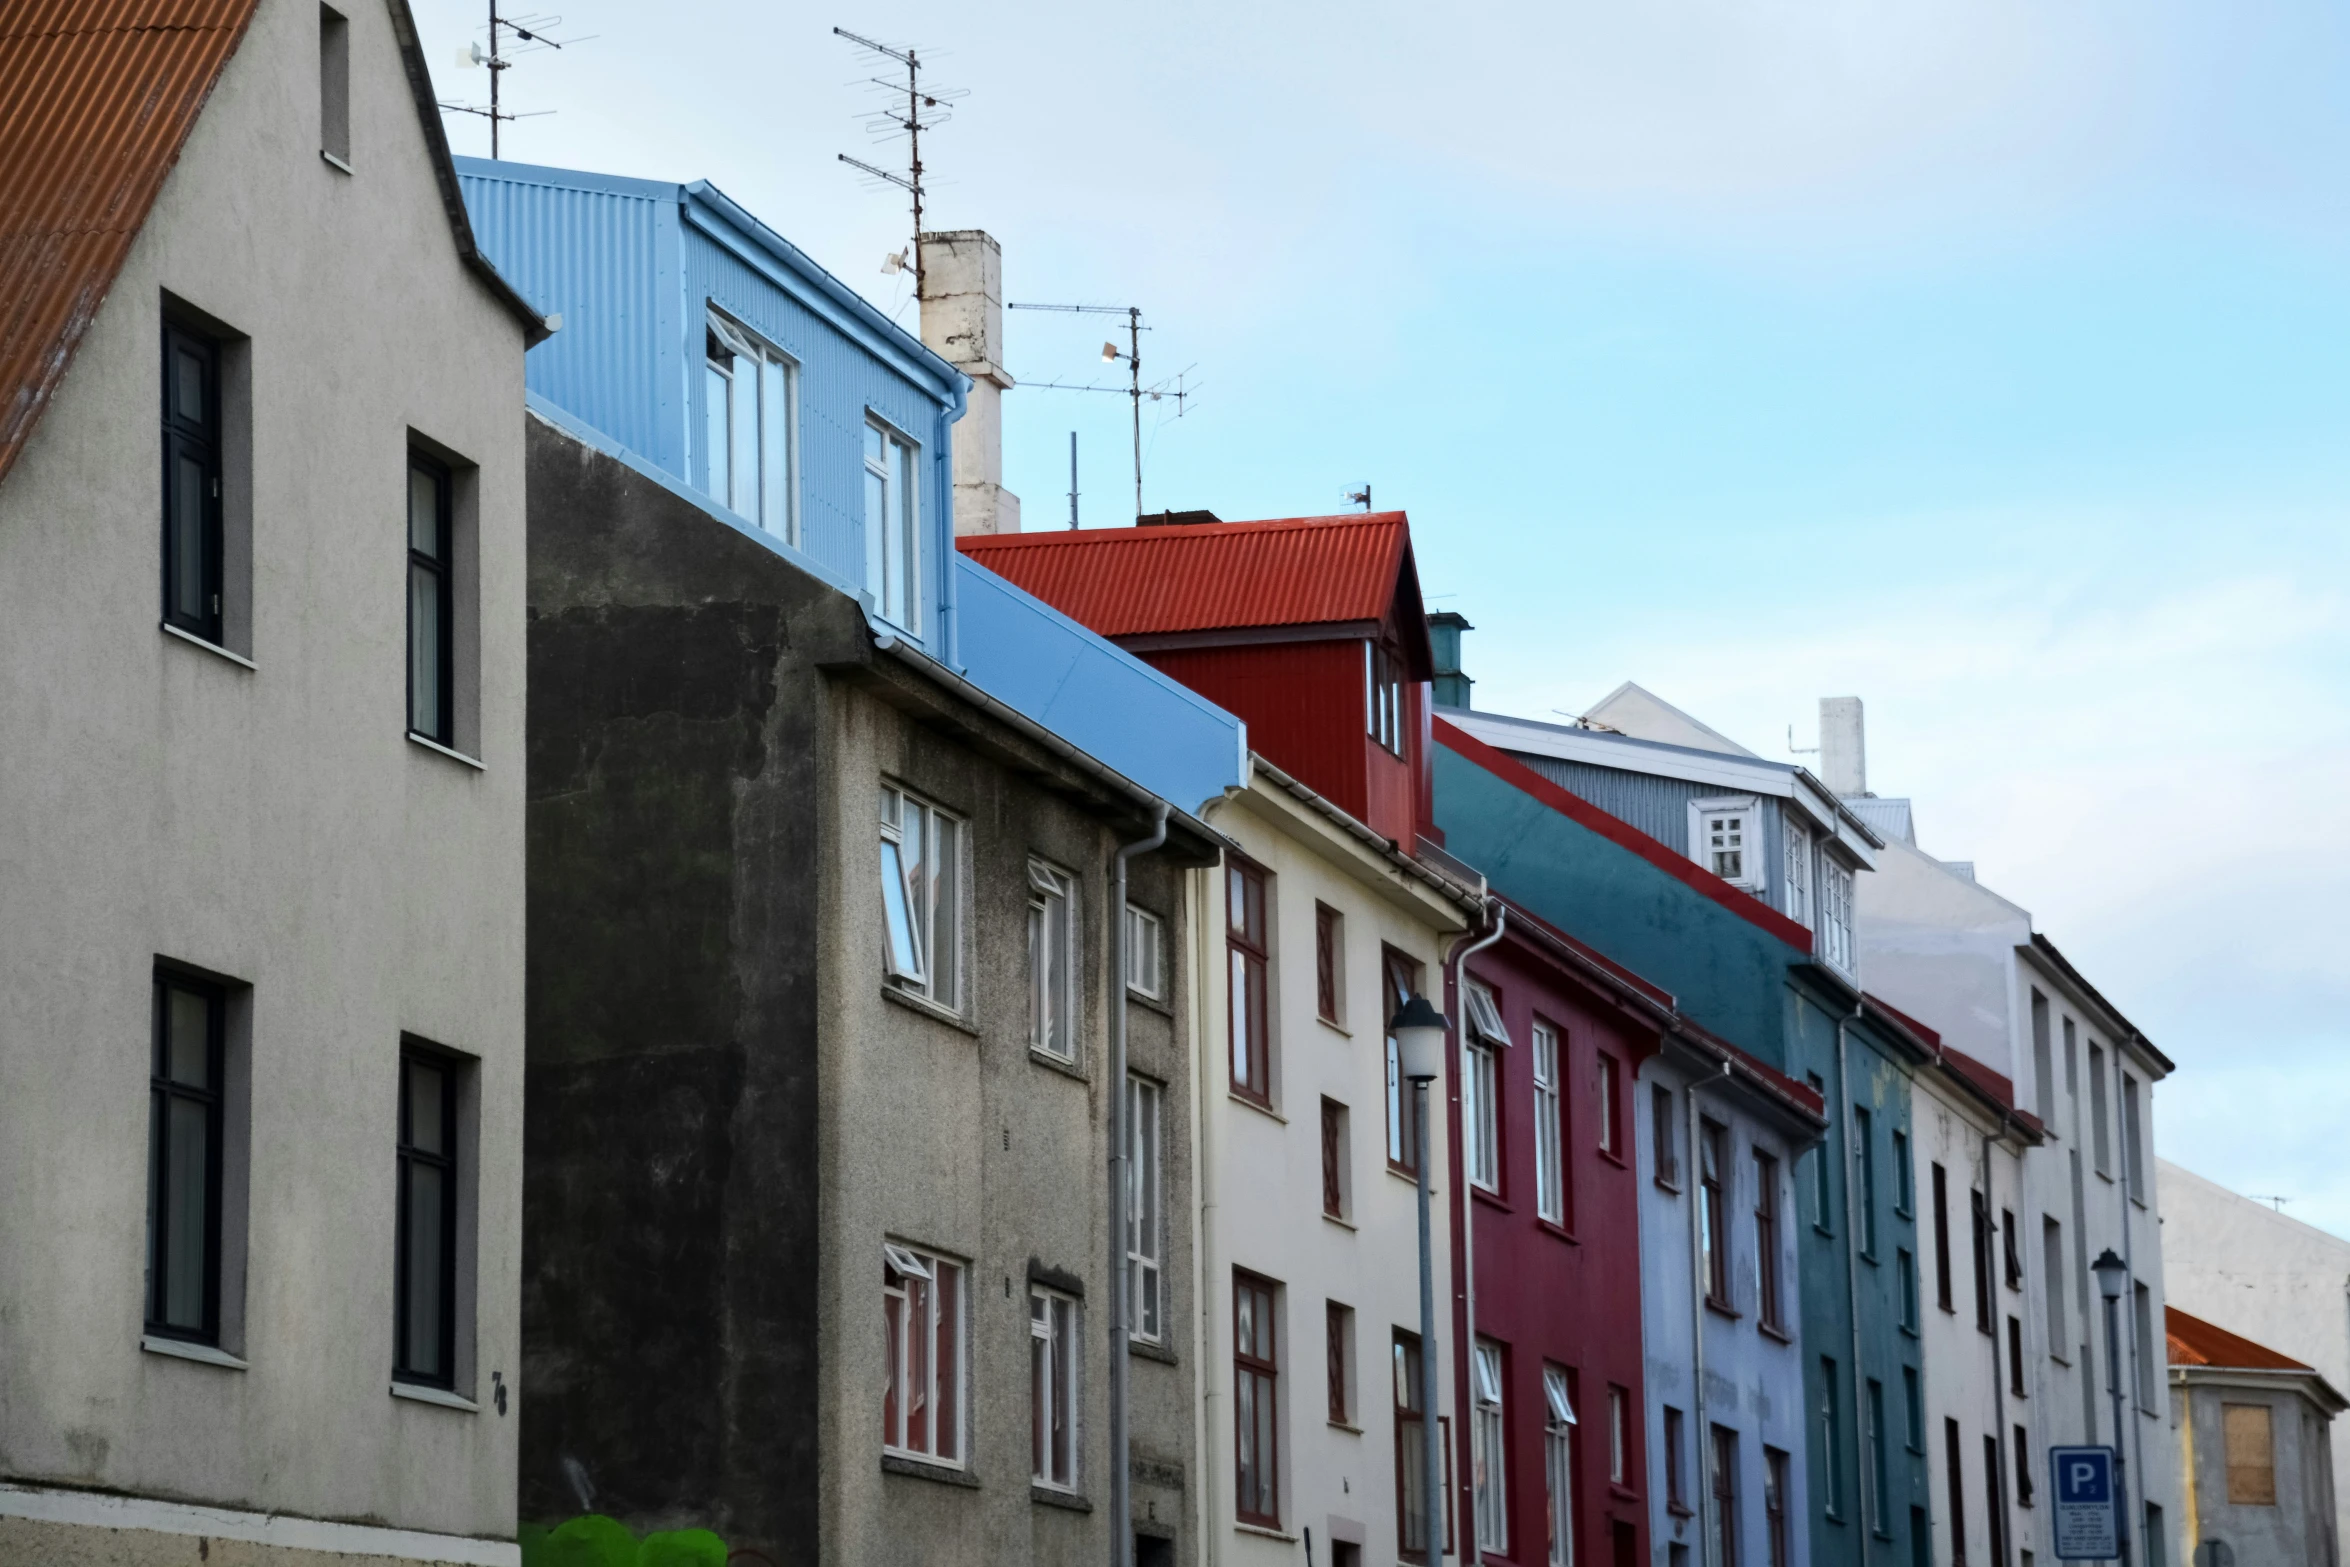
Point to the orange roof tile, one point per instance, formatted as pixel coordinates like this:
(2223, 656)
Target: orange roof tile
(2195, 1342)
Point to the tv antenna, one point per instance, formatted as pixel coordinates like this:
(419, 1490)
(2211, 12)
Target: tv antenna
(1072, 478)
(530, 36)
(1361, 497)
(1175, 386)
(2273, 1200)
(922, 110)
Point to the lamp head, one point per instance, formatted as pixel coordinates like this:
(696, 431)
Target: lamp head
(2112, 1273)
(1419, 1031)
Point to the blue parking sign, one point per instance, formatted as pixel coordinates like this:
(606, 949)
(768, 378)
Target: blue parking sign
(2087, 1523)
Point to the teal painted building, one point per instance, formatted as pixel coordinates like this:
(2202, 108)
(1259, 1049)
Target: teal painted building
(1754, 955)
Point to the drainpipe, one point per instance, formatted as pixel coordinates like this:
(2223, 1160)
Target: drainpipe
(1207, 1514)
(1852, 1273)
(1693, 1183)
(1999, 1432)
(1461, 1201)
(2137, 1350)
(1121, 1134)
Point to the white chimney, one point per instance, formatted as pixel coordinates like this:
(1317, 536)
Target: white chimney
(1844, 758)
(963, 323)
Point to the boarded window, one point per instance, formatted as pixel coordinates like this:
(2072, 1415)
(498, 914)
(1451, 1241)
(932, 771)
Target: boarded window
(2252, 1457)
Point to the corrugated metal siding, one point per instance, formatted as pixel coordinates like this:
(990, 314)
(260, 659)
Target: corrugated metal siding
(1302, 702)
(1138, 581)
(1659, 807)
(96, 100)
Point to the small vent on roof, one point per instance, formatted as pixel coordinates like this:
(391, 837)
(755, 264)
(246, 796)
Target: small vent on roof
(1174, 519)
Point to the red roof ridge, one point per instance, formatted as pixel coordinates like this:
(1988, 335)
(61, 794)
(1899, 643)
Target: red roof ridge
(981, 543)
(2195, 1342)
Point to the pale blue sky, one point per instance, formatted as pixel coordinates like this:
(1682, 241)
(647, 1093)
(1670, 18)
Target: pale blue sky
(1982, 358)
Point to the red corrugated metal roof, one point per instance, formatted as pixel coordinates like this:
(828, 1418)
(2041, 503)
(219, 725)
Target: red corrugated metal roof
(96, 100)
(1292, 571)
(2195, 1342)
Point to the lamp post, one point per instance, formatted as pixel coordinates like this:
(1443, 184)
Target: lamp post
(2113, 1275)
(1419, 1031)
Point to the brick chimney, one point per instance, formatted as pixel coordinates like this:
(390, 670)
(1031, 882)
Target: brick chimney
(1844, 756)
(963, 323)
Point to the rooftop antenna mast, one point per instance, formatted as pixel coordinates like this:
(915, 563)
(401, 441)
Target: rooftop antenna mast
(922, 110)
(1133, 390)
(531, 33)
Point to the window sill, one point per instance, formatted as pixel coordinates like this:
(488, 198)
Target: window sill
(1060, 1064)
(202, 1354)
(1613, 1158)
(1344, 1224)
(1774, 1331)
(434, 1395)
(1664, 1185)
(927, 1007)
(922, 1469)
(1909, 1330)
(1341, 1425)
(1722, 1308)
(1262, 1531)
(1817, 1228)
(2060, 1360)
(1162, 1005)
(1410, 1178)
(1621, 1492)
(333, 161)
(1144, 1349)
(1046, 1496)
(209, 646)
(1258, 1105)
(1491, 1200)
(474, 762)
(1680, 1510)
(1335, 1027)
(1557, 1231)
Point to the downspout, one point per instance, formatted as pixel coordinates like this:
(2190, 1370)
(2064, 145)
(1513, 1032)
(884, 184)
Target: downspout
(1999, 1432)
(1693, 1183)
(1121, 1134)
(1468, 1228)
(1207, 1513)
(2137, 1349)
(1860, 1435)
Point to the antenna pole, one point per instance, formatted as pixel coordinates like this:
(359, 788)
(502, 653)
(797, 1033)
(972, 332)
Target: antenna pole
(1134, 367)
(496, 66)
(914, 133)
(1072, 478)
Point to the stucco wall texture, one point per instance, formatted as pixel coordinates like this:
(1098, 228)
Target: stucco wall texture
(271, 824)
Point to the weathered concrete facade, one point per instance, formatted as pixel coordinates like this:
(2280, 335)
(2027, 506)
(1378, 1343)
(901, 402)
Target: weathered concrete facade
(734, 1110)
(2255, 1449)
(252, 815)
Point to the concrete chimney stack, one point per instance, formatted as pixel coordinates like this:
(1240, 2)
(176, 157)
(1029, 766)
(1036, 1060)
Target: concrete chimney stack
(963, 323)
(1844, 756)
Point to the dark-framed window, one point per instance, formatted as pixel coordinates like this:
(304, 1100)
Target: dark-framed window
(1333, 1159)
(191, 483)
(425, 1266)
(1256, 1401)
(1864, 1155)
(1328, 926)
(1723, 1482)
(1766, 1240)
(184, 1098)
(1412, 1513)
(1248, 947)
(1775, 1507)
(1942, 1238)
(1954, 1456)
(1980, 1215)
(1713, 1218)
(432, 602)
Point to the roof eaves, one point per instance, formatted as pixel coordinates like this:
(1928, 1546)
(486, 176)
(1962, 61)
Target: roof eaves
(2046, 950)
(1470, 900)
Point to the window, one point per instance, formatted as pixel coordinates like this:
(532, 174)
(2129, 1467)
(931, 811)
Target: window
(1483, 1110)
(2011, 1255)
(185, 1098)
(1723, 1481)
(1994, 1484)
(431, 602)
(1053, 1359)
(1913, 1411)
(334, 88)
(1822, 1174)
(1146, 960)
(1245, 946)
(2248, 1433)
(1550, 1172)
(922, 1329)
(1256, 1394)
(1145, 1218)
(1726, 838)
(1338, 1327)
(1329, 964)
(1676, 1465)
(2157, 1542)
(1954, 1475)
(1797, 874)
(425, 1286)
(1400, 977)
(1905, 1196)
(2015, 1357)
(1713, 1213)
(1942, 1297)
(1831, 1441)
(1619, 1435)
(1835, 936)
(1383, 697)
(1412, 1519)
(2133, 1158)
(1335, 1143)
(1558, 1465)
(1611, 1132)
(2142, 1348)
(2043, 1062)
(1488, 1453)
(893, 533)
(921, 896)
(1775, 1468)
(1979, 1214)
(2103, 1142)
(748, 441)
(1766, 1241)
(1052, 961)
(1873, 1410)
(1864, 1159)
(1665, 1132)
(2023, 1469)
(2052, 1280)
(192, 442)
(1906, 1266)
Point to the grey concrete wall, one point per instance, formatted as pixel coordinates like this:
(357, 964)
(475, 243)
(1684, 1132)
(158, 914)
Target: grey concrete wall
(272, 824)
(2297, 1530)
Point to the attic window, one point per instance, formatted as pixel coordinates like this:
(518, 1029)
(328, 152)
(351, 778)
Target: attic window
(1725, 836)
(1383, 697)
(747, 425)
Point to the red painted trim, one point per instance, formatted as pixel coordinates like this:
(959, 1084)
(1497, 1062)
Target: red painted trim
(1624, 835)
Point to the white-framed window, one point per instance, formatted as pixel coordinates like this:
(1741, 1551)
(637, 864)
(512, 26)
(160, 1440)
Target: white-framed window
(1558, 1465)
(1052, 961)
(749, 389)
(1484, 1107)
(1488, 1452)
(1053, 1361)
(1835, 927)
(922, 1314)
(1145, 1221)
(921, 896)
(893, 526)
(1550, 1183)
(1796, 876)
(1725, 836)
(1146, 954)
(1383, 697)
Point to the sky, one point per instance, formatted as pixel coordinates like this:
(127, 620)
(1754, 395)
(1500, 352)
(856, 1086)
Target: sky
(1983, 359)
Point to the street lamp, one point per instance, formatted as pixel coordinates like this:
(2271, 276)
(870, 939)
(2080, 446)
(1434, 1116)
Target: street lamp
(2113, 1276)
(1419, 1031)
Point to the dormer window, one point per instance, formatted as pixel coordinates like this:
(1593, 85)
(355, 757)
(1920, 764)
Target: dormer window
(1835, 928)
(1383, 696)
(1725, 836)
(746, 421)
(1797, 880)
